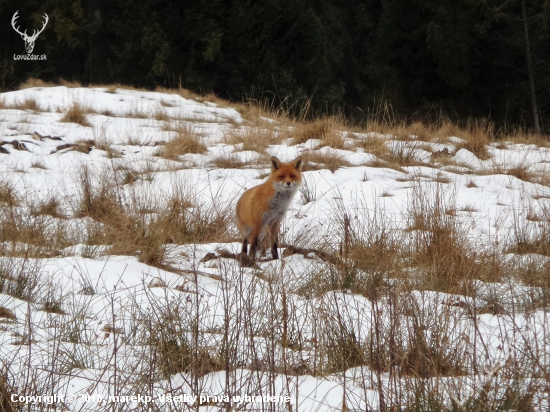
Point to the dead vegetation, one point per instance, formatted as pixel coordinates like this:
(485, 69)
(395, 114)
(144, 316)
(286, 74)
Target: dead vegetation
(256, 139)
(76, 114)
(127, 230)
(440, 245)
(315, 160)
(27, 104)
(228, 161)
(185, 141)
(406, 336)
(322, 129)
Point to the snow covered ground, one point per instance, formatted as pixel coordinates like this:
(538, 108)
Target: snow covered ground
(93, 326)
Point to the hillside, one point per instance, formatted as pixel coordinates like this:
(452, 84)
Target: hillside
(415, 264)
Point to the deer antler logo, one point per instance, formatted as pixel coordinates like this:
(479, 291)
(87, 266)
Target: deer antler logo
(29, 40)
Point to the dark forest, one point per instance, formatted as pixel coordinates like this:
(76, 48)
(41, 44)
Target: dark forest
(462, 58)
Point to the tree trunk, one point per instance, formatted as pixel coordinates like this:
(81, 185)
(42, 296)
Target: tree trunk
(530, 69)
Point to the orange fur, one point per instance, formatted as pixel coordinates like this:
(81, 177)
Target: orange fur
(261, 209)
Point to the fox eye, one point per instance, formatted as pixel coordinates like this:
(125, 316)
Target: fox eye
(293, 176)
(282, 177)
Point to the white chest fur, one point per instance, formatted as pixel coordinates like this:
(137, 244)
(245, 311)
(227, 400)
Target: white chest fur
(278, 205)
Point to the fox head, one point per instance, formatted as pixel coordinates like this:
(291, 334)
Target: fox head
(286, 176)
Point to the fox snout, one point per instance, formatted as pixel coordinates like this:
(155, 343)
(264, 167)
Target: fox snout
(288, 184)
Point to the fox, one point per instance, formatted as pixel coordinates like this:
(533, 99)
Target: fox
(261, 209)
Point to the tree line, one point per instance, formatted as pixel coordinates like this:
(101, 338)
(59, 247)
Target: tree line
(464, 58)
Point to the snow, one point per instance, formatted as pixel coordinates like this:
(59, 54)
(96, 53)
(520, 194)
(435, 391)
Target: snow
(110, 294)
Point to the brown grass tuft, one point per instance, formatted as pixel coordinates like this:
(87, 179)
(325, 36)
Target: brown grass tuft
(111, 89)
(229, 161)
(375, 145)
(256, 139)
(6, 313)
(440, 247)
(71, 84)
(161, 116)
(184, 142)
(521, 173)
(477, 134)
(313, 160)
(27, 104)
(447, 129)
(34, 82)
(49, 207)
(321, 129)
(128, 229)
(417, 131)
(76, 114)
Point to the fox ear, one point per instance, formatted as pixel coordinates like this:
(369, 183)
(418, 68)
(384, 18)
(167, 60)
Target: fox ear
(275, 163)
(297, 163)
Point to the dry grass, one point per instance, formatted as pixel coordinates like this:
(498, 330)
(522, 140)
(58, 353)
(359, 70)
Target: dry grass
(326, 130)
(440, 245)
(76, 114)
(523, 136)
(313, 160)
(400, 156)
(478, 135)
(528, 238)
(440, 178)
(69, 83)
(27, 104)
(185, 93)
(173, 350)
(29, 229)
(34, 82)
(130, 231)
(447, 129)
(400, 130)
(6, 313)
(521, 173)
(256, 139)
(228, 161)
(336, 140)
(375, 145)
(416, 131)
(186, 141)
(8, 195)
(404, 336)
(538, 244)
(50, 207)
(161, 115)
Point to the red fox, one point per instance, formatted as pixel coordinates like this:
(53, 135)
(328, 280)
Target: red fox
(261, 209)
